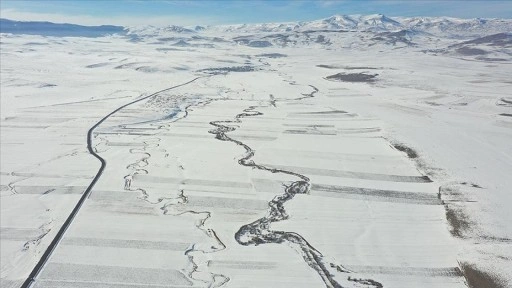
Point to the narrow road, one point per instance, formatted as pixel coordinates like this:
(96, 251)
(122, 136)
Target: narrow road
(58, 237)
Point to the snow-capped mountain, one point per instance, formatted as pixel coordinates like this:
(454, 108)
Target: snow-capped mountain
(441, 27)
(438, 26)
(159, 31)
(376, 22)
(446, 26)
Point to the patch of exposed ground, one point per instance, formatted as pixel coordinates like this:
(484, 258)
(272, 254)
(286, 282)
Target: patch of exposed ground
(458, 220)
(346, 67)
(366, 282)
(411, 153)
(223, 70)
(272, 55)
(476, 278)
(353, 77)
(504, 102)
(467, 51)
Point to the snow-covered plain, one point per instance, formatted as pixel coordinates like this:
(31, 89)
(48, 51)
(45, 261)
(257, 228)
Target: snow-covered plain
(294, 155)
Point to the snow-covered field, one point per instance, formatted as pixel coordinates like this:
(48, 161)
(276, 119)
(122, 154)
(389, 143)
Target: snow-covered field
(256, 156)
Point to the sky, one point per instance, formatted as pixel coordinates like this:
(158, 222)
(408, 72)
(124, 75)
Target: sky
(212, 12)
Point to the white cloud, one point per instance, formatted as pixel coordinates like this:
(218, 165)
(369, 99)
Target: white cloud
(14, 14)
(329, 3)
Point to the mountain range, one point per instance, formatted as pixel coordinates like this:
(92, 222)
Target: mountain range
(438, 26)
(54, 29)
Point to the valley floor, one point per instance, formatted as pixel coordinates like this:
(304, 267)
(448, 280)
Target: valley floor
(268, 176)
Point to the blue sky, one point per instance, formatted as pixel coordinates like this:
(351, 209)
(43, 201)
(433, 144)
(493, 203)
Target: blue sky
(206, 12)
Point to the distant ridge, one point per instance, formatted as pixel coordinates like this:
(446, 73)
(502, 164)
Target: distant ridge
(57, 29)
(440, 26)
(378, 23)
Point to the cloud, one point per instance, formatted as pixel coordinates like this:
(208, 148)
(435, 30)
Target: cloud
(14, 14)
(328, 3)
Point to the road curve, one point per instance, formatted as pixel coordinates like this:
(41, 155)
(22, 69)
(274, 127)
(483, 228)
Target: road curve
(47, 254)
